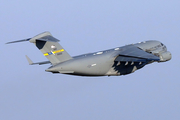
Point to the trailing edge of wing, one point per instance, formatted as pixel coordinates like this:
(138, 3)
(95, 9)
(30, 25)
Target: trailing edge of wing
(40, 63)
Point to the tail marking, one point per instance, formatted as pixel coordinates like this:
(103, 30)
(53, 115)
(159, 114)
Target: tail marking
(53, 52)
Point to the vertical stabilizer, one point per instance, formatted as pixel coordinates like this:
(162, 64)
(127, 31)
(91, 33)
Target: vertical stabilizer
(50, 48)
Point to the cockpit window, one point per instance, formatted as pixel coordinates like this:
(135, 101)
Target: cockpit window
(162, 44)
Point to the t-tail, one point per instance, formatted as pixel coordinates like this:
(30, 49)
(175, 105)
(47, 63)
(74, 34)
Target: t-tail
(49, 46)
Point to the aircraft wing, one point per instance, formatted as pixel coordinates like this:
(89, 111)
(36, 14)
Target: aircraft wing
(132, 53)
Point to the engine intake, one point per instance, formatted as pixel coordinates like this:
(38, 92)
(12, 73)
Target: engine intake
(165, 56)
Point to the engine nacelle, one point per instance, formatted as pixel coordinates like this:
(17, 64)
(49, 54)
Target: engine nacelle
(165, 56)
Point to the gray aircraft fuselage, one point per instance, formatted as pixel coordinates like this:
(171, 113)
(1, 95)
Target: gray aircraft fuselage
(102, 63)
(113, 62)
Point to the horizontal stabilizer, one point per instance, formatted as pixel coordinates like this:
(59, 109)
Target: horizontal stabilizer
(19, 41)
(40, 63)
(46, 36)
(29, 60)
(49, 39)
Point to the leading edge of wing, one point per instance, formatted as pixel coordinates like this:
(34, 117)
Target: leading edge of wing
(132, 53)
(124, 58)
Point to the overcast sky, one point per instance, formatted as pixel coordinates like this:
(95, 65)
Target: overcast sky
(30, 93)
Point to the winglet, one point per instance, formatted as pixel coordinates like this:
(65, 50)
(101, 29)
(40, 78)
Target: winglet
(29, 60)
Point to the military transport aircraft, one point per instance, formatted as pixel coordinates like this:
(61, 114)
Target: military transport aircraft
(112, 62)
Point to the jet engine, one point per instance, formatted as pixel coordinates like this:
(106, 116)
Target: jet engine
(165, 56)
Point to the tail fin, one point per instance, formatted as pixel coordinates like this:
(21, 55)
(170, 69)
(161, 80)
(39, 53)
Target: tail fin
(50, 47)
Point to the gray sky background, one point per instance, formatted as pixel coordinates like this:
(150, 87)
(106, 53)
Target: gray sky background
(30, 93)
